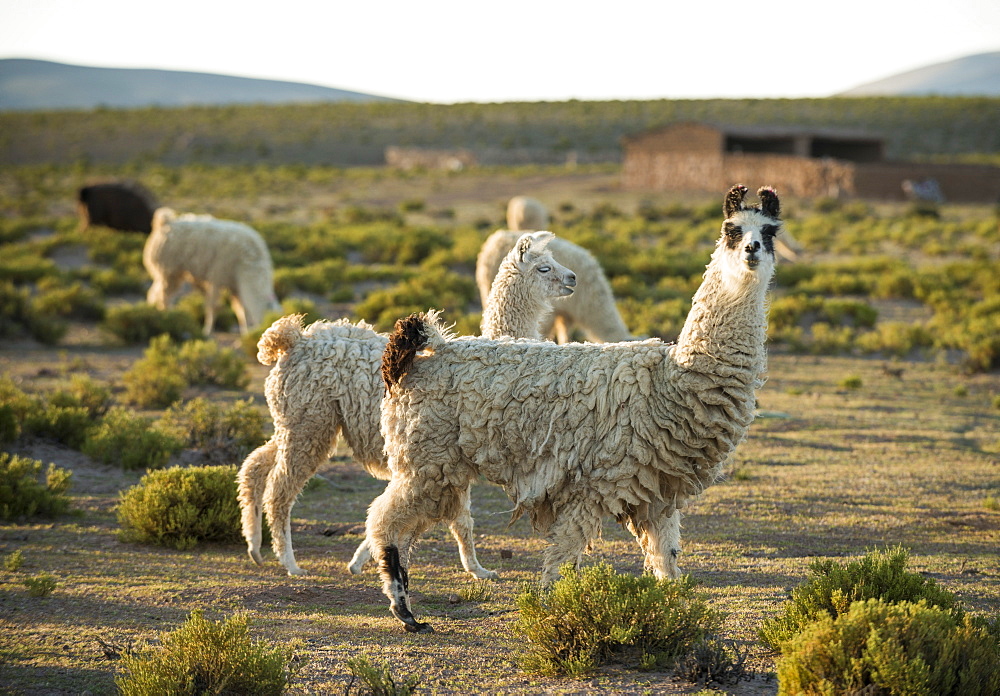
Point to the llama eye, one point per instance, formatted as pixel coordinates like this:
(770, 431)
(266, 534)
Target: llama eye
(544, 269)
(734, 231)
(769, 230)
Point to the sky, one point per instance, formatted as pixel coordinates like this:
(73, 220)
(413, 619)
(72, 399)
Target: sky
(448, 51)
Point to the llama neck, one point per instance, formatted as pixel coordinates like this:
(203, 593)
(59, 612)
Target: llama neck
(726, 329)
(513, 310)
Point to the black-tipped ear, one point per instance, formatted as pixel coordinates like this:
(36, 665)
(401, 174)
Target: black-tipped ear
(523, 246)
(769, 203)
(734, 200)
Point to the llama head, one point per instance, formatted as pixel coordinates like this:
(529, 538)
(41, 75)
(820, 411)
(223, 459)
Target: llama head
(746, 246)
(535, 263)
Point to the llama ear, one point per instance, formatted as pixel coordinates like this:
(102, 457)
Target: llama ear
(734, 200)
(769, 203)
(540, 240)
(523, 246)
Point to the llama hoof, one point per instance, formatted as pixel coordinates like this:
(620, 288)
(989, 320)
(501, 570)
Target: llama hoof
(355, 568)
(255, 556)
(417, 627)
(297, 571)
(483, 574)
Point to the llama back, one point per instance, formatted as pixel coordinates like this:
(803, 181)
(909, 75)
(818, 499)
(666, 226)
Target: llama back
(345, 357)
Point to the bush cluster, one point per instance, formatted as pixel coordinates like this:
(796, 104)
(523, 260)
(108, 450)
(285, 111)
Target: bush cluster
(166, 369)
(592, 616)
(24, 492)
(206, 657)
(871, 626)
(224, 435)
(181, 507)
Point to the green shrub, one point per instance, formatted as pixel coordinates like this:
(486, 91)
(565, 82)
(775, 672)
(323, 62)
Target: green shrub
(159, 378)
(65, 424)
(224, 435)
(24, 494)
(17, 316)
(852, 382)
(86, 393)
(138, 323)
(876, 647)
(437, 288)
(74, 301)
(127, 440)
(204, 657)
(205, 362)
(833, 587)
(179, 507)
(156, 380)
(13, 561)
(595, 615)
(41, 585)
(378, 679)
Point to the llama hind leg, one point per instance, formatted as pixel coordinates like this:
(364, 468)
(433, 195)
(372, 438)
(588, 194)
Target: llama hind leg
(659, 537)
(251, 483)
(461, 528)
(298, 458)
(395, 519)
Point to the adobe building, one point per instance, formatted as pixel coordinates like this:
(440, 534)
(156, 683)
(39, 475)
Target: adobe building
(702, 157)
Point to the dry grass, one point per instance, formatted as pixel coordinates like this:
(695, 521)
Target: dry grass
(825, 472)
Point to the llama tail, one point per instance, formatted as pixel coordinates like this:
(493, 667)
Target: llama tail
(279, 338)
(409, 336)
(163, 216)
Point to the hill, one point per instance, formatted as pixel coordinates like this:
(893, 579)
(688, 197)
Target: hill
(975, 75)
(27, 85)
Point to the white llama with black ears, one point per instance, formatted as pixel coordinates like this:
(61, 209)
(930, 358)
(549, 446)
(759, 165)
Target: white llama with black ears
(326, 384)
(579, 432)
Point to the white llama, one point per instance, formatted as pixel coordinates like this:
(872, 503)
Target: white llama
(575, 433)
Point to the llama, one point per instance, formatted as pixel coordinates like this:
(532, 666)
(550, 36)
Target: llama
(215, 255)
(575, 433)
(120, 205)
(522, 291)
(526, 214)
(591, 308)
(326, 383)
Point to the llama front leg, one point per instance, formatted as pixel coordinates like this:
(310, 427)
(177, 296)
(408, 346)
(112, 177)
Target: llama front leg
(362, 555)
(462, 529)
(395, 519)
(568, 537)
(251, 483)
(659, 537)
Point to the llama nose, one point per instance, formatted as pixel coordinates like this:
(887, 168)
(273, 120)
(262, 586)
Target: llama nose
(753, 247)
(571, 280)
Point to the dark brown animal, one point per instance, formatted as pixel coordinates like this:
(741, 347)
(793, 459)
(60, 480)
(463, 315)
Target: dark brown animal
(123, 205)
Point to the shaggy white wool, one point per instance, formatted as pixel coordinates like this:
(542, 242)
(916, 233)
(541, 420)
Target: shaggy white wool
(523, 291)
(215, 255)
(591, 308)
(578, 432)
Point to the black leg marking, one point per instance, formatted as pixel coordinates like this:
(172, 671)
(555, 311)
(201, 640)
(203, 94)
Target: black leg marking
(399, 581)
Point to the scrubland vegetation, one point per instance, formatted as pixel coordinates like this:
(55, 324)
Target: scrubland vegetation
(122, 428)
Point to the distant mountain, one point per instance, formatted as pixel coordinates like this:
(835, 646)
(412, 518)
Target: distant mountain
(976, 75)
(39, 84)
